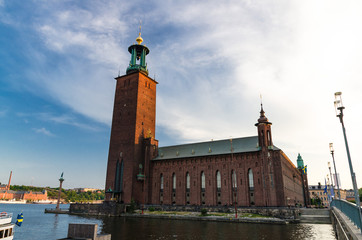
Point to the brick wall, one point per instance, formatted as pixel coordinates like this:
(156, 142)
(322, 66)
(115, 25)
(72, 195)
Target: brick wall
(270, 184)
(133, 120)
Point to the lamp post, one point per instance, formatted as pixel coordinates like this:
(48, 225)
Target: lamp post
(330, 172)
(339, 112)
(329, 196)
(335, 169)
(331, 185)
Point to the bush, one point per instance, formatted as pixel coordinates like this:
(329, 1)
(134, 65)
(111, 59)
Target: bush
(151, 209)
(203, 212)
(132, 207)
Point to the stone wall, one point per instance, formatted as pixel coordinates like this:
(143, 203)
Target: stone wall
(117, 209)
(103, 209)
(278, 212)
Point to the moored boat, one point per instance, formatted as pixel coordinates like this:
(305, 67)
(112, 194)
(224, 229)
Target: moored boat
(44, 202)
(6, 227)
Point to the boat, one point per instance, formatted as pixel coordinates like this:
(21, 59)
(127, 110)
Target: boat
(6, 227)
(44, 202)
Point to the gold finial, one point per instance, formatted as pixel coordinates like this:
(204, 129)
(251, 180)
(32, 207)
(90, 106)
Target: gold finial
(139, 39)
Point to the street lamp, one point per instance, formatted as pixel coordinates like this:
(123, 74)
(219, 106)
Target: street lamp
(335, 171)
(339, 112)
(330, 172)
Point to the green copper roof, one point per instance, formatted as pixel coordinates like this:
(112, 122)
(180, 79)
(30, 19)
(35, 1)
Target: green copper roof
(300, 162)
(239, 145)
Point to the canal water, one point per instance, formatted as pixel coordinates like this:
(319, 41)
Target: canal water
(40, 226)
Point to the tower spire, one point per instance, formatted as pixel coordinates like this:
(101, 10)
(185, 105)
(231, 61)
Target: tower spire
(139, 39)
(138, 56)
(264, 130)
(262, 117)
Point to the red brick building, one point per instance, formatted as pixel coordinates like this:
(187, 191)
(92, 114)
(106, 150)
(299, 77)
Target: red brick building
(243, 171)
(23, 195)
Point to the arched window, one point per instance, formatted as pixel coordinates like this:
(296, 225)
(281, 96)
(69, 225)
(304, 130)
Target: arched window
(218, 180)
(269, 138)
(251, 179)
(234, 182)
(203, 180)
(218, 187)
(161, 188)
(234, 186)
(202, 188)
(262, 138)
(161, 182)
(187, 188)
(251, 186)
(118, 181)
(173, 188)
(174, 181)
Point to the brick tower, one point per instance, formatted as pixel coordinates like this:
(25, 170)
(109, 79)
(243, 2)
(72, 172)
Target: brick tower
(133, 127)
(268, 161)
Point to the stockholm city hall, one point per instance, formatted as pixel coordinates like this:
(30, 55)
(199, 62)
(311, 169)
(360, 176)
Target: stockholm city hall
(245, 171)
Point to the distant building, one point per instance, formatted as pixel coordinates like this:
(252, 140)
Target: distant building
(23, 195)
(318, 191)
(246, 171)
(350, 195)
(86, 189)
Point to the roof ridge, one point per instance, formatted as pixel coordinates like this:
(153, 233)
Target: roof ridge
(220, 140)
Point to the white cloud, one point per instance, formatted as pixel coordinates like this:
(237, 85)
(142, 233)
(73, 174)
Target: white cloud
(43, 131)
(212, 61)
(65, 119)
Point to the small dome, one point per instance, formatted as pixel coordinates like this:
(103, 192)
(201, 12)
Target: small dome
(139, 40)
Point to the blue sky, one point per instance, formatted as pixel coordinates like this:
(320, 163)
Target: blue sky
(58, 60)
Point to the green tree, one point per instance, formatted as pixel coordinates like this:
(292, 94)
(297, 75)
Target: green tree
(67, 195)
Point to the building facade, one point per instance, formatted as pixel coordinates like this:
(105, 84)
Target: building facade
(247, 171)
(23, 195)
(323, 192)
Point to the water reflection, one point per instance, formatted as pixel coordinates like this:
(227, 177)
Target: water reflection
(138, 228)
(55, 224)
(40, 226)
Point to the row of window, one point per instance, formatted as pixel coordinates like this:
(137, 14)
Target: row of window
(128, 82)
(319, 193)
(6, 233)
(202, 176)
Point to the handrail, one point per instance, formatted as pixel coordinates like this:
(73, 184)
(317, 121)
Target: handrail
(4, 215)
(350, 210)
(339, 223)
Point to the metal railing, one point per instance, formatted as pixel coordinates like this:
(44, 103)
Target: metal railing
(350, 210)
(5, 215)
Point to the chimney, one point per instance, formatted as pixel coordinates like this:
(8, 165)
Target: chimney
(8, 187)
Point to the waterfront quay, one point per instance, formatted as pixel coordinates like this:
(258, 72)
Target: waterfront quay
(342, 225)
(43, 226)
